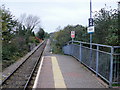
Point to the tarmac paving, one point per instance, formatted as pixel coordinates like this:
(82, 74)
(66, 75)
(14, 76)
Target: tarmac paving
(62, 71)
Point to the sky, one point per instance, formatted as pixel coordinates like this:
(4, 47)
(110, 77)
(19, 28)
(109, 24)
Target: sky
(57, 13)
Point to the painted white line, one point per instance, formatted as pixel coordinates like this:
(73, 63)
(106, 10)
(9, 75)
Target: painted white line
(38, 74)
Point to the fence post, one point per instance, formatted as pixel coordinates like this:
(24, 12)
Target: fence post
(71, 49)
(97, 59)
(111, 68)
(80, 52)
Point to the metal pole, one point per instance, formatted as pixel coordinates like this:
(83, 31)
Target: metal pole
(97, 58)
(90, 9)
(90, 34)
(111, 67)
(80, 52)
(90, 41)
(72, 40)
(90, 17)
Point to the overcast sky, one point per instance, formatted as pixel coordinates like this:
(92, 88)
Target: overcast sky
(54, 13)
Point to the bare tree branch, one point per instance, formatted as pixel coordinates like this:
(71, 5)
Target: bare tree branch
(30, 21)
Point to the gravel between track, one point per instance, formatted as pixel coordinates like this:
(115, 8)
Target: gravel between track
(11, 68)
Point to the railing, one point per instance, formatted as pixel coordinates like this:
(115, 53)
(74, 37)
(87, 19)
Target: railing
(104, 60)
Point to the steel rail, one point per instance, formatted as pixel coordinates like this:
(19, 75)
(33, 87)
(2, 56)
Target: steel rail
(26, 85)
(21, 64)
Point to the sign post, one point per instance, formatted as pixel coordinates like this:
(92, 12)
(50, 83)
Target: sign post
(90, 30)
(72, 35)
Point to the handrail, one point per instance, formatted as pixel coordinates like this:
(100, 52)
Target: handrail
(94, 44)
(104, 62)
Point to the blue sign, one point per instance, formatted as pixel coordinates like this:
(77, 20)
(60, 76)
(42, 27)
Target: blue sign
(90, 22)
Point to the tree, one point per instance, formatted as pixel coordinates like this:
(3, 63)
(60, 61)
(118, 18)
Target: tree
(119, 22)
(8, 33)
(61, 37)
(30, 21)
(16, 37)
(46, 35)
(106, 27)
(8, 24)
(41, 33)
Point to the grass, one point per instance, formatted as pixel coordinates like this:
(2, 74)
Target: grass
(116, 85)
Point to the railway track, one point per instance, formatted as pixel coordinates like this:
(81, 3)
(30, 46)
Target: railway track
(21, 77)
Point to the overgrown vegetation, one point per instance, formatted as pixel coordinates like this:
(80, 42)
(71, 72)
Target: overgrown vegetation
(106, 31)
(106, 27)
(18, 37)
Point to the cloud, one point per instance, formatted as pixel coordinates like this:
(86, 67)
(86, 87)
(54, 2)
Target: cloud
(54, 13)
(59, 1)
(43, 1)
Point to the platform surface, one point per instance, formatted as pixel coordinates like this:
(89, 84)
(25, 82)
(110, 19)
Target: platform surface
(62, 71)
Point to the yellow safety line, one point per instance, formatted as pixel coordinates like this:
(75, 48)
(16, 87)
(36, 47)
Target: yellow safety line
(58, 78)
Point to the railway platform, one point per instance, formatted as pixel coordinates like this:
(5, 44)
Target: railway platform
(62, 71)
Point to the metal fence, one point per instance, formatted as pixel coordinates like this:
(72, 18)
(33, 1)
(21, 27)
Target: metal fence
(104, 60)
